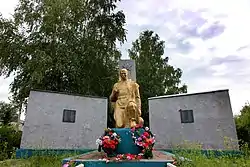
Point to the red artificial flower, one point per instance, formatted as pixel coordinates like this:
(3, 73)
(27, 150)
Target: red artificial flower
(112, 147)
(138, 126)
(149, 141)
(129, 157)
(139, 157)
(145, 145)
(105, 137)
(146, 134)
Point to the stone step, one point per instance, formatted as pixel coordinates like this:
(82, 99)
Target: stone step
(94, 159)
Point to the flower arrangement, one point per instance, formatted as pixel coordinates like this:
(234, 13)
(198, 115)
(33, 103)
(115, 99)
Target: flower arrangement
(143, 138)
(68, 164)
(108, 142)
(120, 157)
(71, 163)
(123, 157)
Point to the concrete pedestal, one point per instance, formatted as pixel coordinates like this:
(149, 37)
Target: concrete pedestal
(127, 144)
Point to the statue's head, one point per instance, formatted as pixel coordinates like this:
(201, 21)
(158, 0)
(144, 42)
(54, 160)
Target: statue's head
(123, 74)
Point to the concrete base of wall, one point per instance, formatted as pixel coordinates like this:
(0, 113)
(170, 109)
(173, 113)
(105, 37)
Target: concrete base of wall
(207, 153)
(27, 153)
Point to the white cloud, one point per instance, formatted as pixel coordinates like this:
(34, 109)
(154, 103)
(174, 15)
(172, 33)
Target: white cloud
(209, 40)
(219, 70)
(7, 7)
(4, 88)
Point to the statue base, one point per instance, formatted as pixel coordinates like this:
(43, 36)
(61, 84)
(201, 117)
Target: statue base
(95, 159)
(127, 144)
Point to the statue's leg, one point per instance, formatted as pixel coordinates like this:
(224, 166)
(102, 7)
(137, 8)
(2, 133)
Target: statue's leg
(119, 118)
(131, 113)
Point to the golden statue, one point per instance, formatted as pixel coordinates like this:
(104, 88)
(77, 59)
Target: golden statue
(126, 101)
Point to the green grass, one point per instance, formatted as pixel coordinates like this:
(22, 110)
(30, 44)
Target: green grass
(216, 162)
(37, 161)
(197, 160)
(43, 161)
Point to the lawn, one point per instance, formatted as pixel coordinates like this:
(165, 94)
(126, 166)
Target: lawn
(197, 160)
(43, 161)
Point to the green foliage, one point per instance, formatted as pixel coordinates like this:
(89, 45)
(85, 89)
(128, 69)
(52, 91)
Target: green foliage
(242, 122)
(9, 140)
(63, 45)
(154, 75)
(244, 118)
(8, 113)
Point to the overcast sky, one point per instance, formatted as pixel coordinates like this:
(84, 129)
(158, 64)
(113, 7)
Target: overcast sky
(208, 40)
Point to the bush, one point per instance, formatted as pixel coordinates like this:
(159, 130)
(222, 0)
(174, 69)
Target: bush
(10, 140)
(242, 122)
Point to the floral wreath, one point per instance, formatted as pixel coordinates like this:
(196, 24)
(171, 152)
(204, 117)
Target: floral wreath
(144, 139)
(108, 142)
